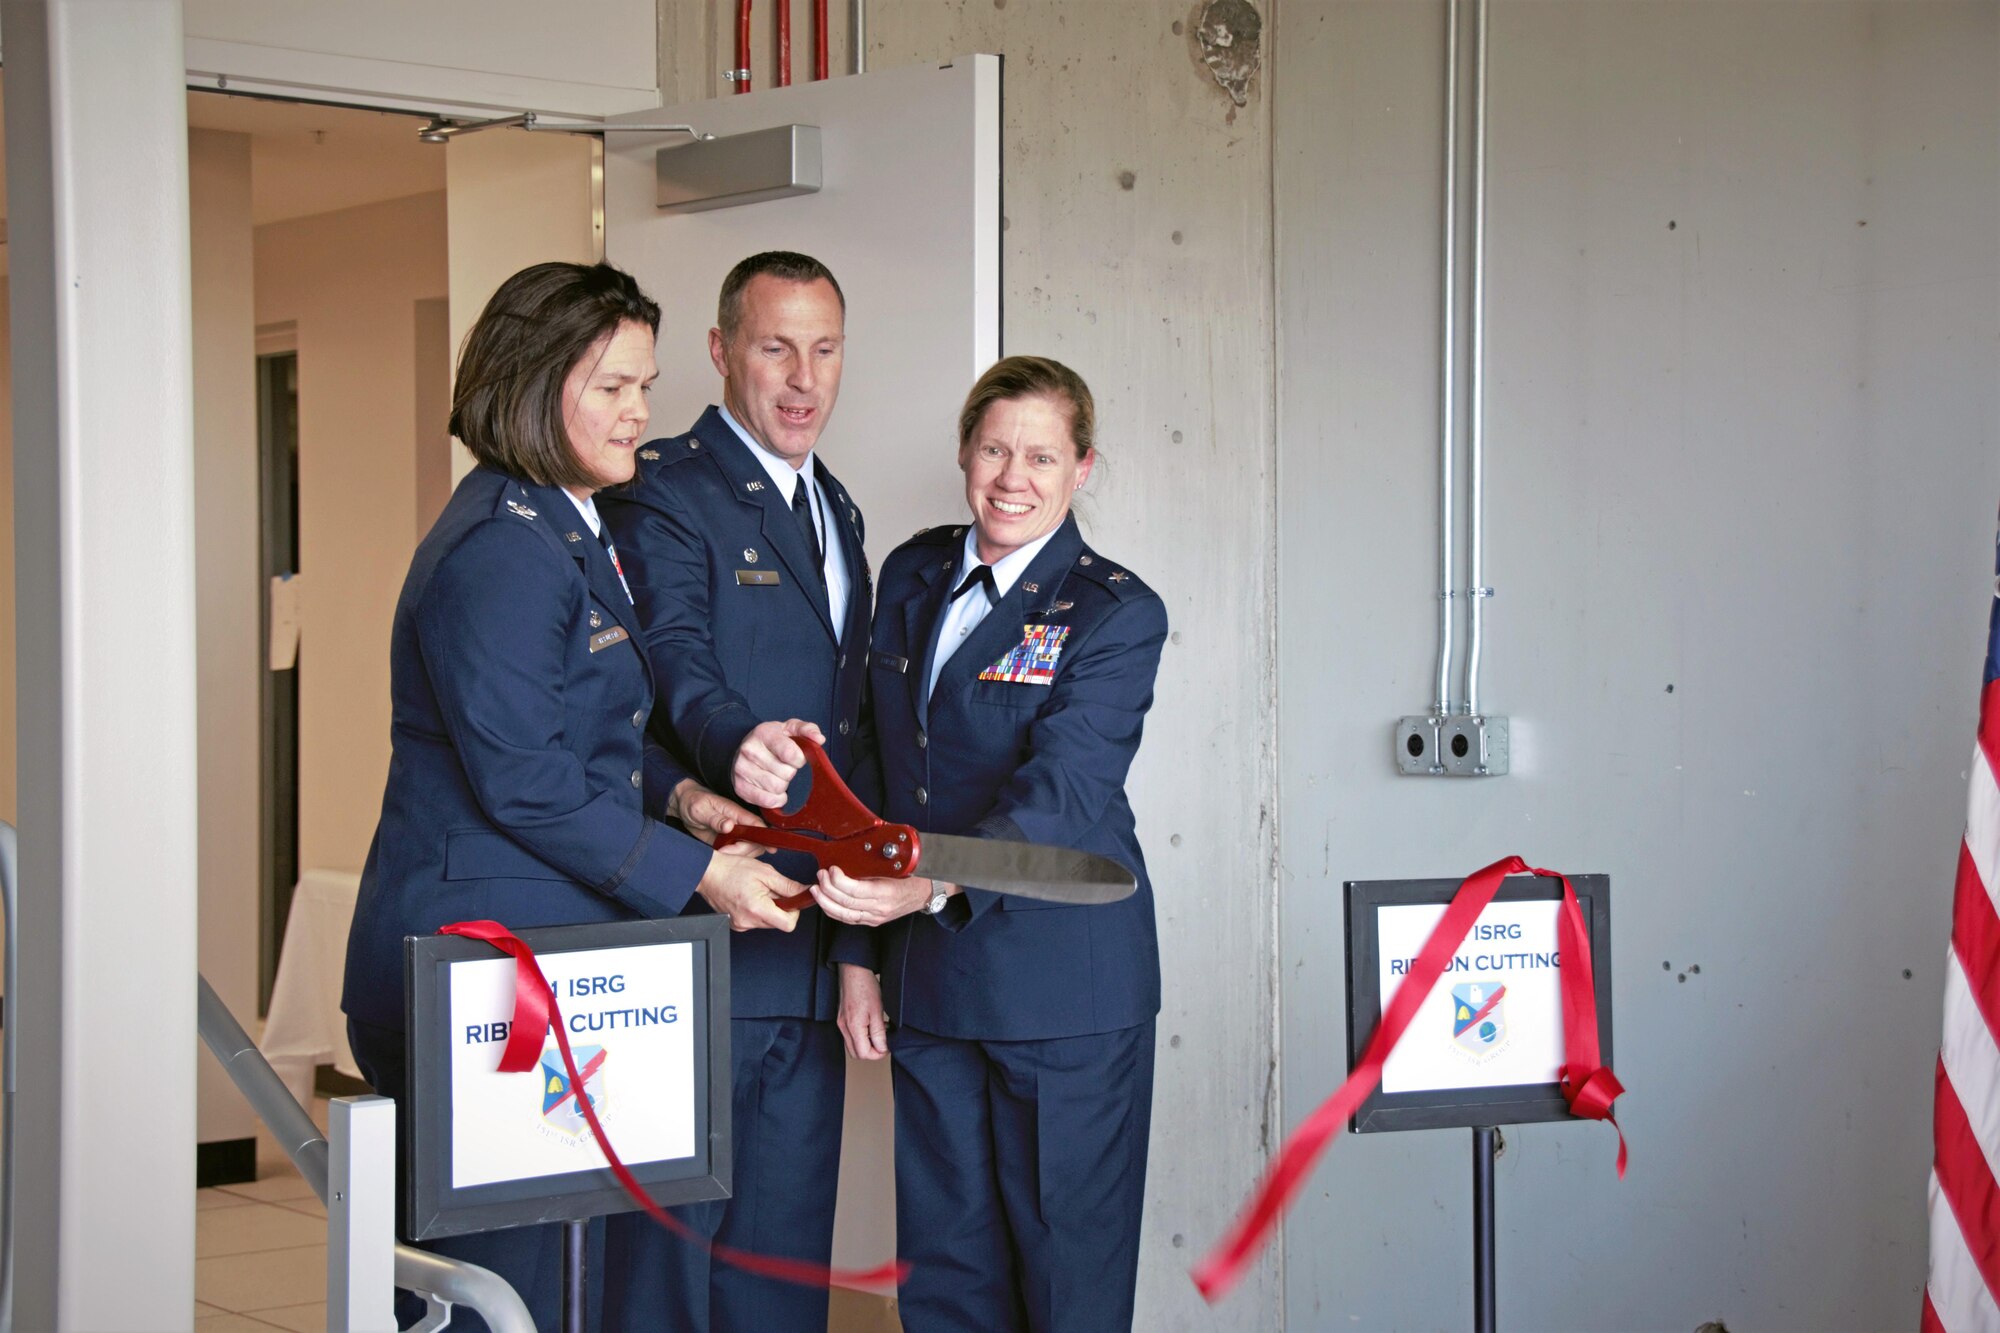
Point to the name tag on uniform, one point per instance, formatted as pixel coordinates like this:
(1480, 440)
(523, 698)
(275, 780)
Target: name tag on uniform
(893, 662)
(756, 578)
(616, 634)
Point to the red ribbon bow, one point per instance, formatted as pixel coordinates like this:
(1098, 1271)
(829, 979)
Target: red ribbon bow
(535, 1012)
(1587, 1085)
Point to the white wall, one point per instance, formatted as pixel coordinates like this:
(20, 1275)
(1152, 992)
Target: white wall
(513, 199)
(101, 1018)
(228, 598)
(351, 281)
(585, 57)
(1742, 425)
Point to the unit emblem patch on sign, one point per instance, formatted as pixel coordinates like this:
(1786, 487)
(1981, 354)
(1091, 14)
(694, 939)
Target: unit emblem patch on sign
(559, 1106)
(1478, 1022)
(1032, 661)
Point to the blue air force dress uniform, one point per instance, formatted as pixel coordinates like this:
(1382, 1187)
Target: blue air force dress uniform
(1023, 1055)
(746, 622)
(520, 696)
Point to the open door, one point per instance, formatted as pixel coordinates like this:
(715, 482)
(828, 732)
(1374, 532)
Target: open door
(908, 218)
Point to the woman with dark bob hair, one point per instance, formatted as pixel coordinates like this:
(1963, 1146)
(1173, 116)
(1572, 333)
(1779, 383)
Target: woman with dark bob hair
(520, 690)
(1012, 669)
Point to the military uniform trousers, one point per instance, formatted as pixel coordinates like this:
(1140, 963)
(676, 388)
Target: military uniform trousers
(1020, 1180)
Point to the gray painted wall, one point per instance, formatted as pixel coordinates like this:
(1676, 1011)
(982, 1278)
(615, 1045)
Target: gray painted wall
(1742, 421)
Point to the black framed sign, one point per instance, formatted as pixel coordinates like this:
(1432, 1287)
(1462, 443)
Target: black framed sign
(1485, 1045)
(646, 1007)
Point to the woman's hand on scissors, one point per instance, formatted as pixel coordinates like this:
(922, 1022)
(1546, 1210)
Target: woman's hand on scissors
(768, 759)
(871, 902)
(708, 815)
(746, 890)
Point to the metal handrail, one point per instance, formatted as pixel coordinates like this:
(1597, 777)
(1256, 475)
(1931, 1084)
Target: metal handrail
(431, 1275)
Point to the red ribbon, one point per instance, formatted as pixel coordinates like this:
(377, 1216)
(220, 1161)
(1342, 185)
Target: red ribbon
(535, 1012)
(1586, 1084)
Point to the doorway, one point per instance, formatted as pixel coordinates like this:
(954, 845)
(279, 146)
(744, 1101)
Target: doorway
(278, 486)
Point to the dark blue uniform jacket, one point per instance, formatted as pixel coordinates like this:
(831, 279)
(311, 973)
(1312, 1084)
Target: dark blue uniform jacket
(1034, 762)
(520, 696)
(739, 633)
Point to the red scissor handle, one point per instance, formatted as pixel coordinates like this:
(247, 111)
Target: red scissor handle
(835, 829)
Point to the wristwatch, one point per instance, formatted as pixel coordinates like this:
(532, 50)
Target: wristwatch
(939, 897)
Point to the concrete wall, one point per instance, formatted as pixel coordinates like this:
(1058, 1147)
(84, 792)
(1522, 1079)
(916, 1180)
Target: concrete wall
(228, 596)
(351, 281)
(1137, 249)
(1742, 422)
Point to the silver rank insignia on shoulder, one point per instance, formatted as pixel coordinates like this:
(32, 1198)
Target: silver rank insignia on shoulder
(1083, 560)
(1119, 576)
(1031, 587)
(595, 619)
(520, 509)
(750, 555)
(574, 536)
(753, 485)
(650, 455)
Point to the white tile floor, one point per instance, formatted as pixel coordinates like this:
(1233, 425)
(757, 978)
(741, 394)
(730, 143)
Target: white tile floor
(260, 1256)
(260, 1249)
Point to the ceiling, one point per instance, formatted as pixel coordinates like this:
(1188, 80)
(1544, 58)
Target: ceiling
(306, 158)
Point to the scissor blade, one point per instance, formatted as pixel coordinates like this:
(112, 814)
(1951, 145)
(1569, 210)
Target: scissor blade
(1029, 869)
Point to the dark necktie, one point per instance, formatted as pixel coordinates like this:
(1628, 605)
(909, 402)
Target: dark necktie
(979, 575)
(802, 515)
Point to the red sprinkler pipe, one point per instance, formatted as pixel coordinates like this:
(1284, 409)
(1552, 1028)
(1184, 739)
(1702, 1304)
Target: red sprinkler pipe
(742, 46)
(819, 39)
(784, 43)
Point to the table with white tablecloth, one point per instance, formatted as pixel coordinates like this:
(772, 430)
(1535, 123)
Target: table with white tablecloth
(305, 1027)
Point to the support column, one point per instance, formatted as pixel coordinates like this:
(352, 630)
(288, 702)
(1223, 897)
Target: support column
(103, 1015)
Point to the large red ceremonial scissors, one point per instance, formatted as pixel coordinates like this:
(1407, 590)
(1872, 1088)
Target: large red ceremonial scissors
(832, 826)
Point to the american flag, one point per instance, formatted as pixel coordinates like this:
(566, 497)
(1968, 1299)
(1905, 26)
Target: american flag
(1964, 1289)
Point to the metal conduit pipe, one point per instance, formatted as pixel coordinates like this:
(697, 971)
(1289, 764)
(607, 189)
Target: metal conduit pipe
(784, 79)
(1447, 380)
(858, 19)
(1476, 590)
(478, 1289)
(742, 71)
(819, 39)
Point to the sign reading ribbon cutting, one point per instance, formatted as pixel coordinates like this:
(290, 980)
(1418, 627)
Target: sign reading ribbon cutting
(523, 1066)
(1487, 1013)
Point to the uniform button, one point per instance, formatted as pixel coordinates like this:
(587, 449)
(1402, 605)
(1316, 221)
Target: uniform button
(637, 777)
(845, 726)
(843, 661)
(639, 718)
(922, 740)
(923, 797)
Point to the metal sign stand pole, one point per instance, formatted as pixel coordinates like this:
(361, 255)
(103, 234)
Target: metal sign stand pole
(1484, 1299)
(573, 1275)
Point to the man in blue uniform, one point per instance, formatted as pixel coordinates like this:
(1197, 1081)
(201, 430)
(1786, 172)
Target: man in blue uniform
(745, 559)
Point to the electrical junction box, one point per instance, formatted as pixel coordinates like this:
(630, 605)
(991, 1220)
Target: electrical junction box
(1417, 749)
(1462, 747)
(1475, 747)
